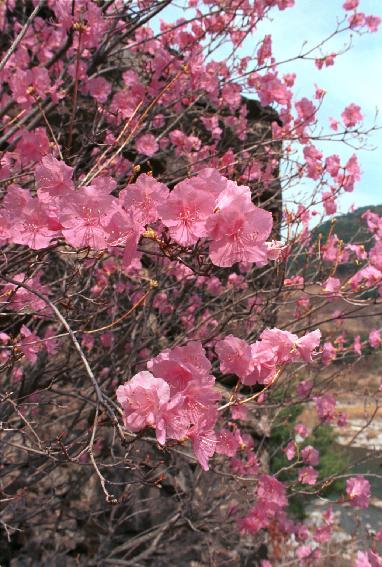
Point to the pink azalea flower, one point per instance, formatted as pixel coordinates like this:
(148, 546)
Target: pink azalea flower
(307, 475)
(328, 516)
(325, 406)
(303, 552)
(53, 178)
(365, 559)
(50, 344)
(275, 249)
(22, 300)
(327, 61)
(4, 338)
(342, 419)
(22, 81)
(271, 492)
(352, 115)
(211, 182)
(290, 450)
(184, 144)
(200, 399)
(85, 216)
(359, 251)
(351, 175)
(231, 95)
(264, 359)
(306, 111)
(374, 558)
(178, 399)
(234, 356)
(368, 277)
(322, 534)
(32, 146)
(265, 50)
(375, 255)
(283, 342)
(358, 491)
(301, 430)
(357, 20)
(99, 88)
(310, 455)
(177, 374)
(239, 411)
(211, 123)
(185, 370)
(375, 340)
(270, 501)
(238, 233)
(203, 440)
(34, 227)
(145, 195)
(304, 388)
(146, 403)
(141, 399)
(373, 23)
(15, 199)
(333, 164)
(350, 4)
(307, 344)
(227, 443)
(329, 202)
(332, 286)
(256, 519)
(313, 160)
(172, 422)
(29, 344)
(185, 213)
(123, 229)
(270, 88)
(147, 145)
(301, 532)
(329, 353)
(357, 345)
(180, 365)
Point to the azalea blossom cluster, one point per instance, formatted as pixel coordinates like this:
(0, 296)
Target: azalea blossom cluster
(258, 363)
(177, 396)
(205, 206)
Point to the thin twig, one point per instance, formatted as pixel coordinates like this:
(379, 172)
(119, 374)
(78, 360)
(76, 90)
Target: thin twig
(23, 31)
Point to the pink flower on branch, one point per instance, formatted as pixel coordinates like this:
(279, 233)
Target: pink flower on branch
(34, 226)
(235, 356)
(185, 213)
(375, 340)
(85, 216)
(358, 491)
(146, 403)
(307, 475)
(144, 196)
(238, 230)
(147, 145)
(53, 178)
(352, 115)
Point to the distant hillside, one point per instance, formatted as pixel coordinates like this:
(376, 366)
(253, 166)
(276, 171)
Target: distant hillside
(350, 227)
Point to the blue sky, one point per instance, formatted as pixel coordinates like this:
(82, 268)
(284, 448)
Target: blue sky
(355, 77)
